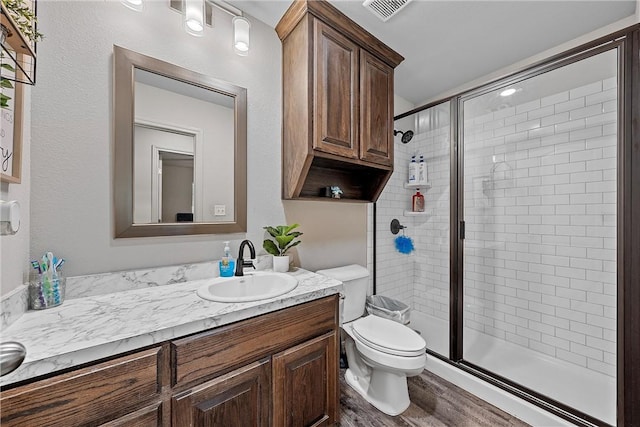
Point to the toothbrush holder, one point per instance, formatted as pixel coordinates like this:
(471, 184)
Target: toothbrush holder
(46, 291)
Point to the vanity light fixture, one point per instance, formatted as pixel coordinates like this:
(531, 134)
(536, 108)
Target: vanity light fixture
(508, 92)
(199, 13)
(194, 17)
(241, 26)
(136, 5)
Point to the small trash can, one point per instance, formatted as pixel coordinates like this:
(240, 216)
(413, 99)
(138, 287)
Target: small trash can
(388, 308)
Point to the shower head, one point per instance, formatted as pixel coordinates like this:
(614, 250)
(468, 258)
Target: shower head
(406, 135)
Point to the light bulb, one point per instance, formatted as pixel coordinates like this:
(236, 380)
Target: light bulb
(136, 5)
(194, 17)
(241, 26)
(508, 92)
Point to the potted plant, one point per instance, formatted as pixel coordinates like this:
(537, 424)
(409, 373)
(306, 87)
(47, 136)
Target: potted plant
(284, 239)
(25, 20)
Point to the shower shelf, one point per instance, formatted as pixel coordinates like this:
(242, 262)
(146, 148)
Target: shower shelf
(412, 213)
(424, 185)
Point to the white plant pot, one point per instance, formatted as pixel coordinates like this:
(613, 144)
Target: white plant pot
(281, 263)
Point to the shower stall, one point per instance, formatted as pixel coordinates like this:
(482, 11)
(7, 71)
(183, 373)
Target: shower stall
(514, 273)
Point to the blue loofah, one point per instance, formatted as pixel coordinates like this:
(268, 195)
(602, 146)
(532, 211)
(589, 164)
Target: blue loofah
(404, 244)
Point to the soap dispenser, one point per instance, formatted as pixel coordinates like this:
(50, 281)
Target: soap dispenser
(227, 263)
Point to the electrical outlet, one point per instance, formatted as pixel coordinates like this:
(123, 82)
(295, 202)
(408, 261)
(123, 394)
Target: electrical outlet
(219, 210)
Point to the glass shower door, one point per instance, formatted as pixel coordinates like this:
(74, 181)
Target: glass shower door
(539, 269)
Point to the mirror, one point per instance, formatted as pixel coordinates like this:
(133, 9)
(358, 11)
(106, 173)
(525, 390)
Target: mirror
(180, 150)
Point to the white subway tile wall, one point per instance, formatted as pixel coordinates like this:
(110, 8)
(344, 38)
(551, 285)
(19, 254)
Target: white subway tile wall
(540, 212)
(420, 279)
(395, 273)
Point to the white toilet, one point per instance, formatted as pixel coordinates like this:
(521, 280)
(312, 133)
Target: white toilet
(381, 353)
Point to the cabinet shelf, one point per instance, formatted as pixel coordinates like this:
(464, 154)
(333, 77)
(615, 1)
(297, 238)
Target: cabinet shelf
(425, 185)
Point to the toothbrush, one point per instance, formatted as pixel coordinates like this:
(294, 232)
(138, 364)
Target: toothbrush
(46, 278)
(59, 264)
(36, 266)
(54, 282)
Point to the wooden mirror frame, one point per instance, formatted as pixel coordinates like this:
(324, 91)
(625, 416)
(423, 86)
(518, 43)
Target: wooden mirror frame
(125, 62)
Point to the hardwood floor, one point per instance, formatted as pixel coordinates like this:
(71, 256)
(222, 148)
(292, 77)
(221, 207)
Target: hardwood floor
(434, 402)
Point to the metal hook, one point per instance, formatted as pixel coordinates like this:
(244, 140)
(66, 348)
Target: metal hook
(396, 226)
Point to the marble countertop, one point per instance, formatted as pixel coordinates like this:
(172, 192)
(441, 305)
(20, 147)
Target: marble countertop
(91, 328)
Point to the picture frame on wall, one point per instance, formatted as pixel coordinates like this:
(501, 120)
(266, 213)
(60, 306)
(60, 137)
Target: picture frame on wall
(11, 134)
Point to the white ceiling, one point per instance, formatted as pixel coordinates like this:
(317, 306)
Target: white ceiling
(449, 43)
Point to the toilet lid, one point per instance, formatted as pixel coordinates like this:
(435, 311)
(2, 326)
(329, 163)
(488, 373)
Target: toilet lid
(388, 336)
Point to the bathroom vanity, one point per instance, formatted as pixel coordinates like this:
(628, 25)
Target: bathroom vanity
(277, 365)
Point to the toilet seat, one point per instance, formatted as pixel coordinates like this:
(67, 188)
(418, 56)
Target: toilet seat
(388, 336)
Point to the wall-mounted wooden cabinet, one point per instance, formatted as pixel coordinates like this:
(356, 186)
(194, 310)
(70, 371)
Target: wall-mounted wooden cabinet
(337, 104)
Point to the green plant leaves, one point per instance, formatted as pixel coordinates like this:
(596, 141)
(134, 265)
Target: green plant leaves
(4, 100)
(8, 67)
(24, 17)
(284, 239)
(287, 229)
(271, 247)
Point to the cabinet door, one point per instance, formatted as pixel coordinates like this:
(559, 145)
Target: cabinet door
(376, 110)
(335, 124)
(305, 384)
(239, 398)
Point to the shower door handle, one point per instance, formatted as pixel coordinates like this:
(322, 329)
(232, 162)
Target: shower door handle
(462, 230)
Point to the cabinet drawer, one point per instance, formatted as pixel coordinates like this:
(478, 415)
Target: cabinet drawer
(151, 416)
(87, 396)
(203, 355)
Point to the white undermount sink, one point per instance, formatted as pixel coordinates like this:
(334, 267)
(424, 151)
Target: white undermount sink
(252, 286)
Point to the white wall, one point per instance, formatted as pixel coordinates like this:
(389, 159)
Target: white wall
(14, 250)
(334, 233)
(72, 136)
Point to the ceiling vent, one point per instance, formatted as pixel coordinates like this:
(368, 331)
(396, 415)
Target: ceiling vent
(385, 9)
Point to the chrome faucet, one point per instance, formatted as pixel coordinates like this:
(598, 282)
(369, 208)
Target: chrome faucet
(241, 263)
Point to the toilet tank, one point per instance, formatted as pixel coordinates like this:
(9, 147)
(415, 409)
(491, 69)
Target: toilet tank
(355, 279)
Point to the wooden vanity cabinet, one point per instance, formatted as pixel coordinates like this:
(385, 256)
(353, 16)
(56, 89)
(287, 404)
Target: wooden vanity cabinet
(277, 369)
(337, 104)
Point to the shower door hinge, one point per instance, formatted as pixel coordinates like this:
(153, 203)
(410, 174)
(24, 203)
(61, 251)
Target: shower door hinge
(462, 230)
